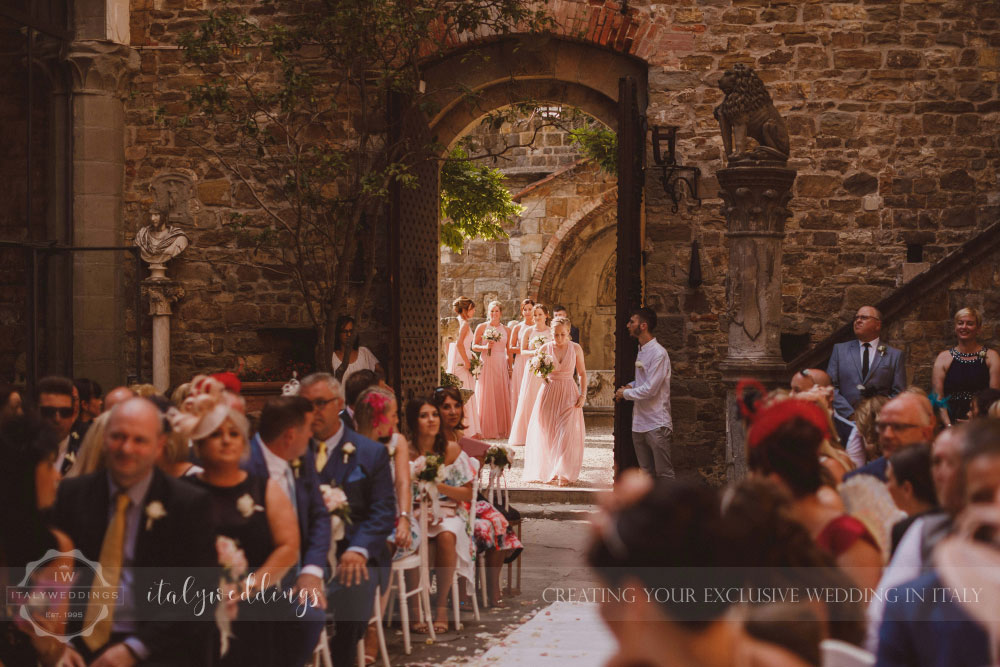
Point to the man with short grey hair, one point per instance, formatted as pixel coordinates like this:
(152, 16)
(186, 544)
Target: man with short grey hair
(903, 421)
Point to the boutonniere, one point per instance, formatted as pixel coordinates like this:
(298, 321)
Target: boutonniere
(74, 435)
(881, 350)
(982, 353)
(246, 506)
(296, 467)
(348, 450)
(70, 457)
(639, 364)
(154, 511)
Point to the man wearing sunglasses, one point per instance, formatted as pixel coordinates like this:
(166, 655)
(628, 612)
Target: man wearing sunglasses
(60, 408)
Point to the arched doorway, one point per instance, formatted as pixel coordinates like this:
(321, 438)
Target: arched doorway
(546, 69)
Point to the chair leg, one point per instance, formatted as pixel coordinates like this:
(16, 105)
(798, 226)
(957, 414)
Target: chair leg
(428, 613)
(475, 603)
(404, 612)
(454, 601)
(481, 567)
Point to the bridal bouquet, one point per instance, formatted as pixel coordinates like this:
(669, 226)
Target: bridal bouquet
(427, 472)
(476, 364)
(542, 365)
(536, 342)
(234, 570)
(492, 334)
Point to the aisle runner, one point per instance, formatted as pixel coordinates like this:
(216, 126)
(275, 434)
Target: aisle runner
(562, 633)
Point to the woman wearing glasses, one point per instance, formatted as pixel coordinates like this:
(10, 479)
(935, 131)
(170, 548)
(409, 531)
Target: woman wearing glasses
(965, 369)
(361, 357)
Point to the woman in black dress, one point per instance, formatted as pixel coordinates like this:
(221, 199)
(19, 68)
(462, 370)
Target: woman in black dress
(965, 369)
(252, 515)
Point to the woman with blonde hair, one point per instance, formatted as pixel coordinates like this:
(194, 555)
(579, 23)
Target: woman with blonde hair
(964, 369)
(862, 445)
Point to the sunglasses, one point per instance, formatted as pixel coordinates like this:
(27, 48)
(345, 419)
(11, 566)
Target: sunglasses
(50, 412)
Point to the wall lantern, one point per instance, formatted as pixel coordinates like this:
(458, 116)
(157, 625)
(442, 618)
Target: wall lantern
(673, 174)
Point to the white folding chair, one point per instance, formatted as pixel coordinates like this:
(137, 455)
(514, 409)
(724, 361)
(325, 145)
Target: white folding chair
(379, 631)
(836, 653)
(321, 654)
(397, 581)
(454, 583)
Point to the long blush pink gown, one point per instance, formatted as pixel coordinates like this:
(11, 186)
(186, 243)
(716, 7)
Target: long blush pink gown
(457, 368)
(520, 361)
(493, 390)
(556, 432)
(531, 384)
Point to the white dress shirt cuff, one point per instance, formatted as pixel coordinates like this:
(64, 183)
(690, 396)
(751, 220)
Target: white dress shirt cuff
(314, 570)
(137, 647)
(360, 550)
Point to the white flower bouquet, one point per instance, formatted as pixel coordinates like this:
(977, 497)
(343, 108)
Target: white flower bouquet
(537, 341)
(493, 335)
(234, 565)
(500, 456)
(542, 364)
(476, 364)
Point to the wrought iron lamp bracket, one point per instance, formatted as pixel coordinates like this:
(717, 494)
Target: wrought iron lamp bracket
(673, 175)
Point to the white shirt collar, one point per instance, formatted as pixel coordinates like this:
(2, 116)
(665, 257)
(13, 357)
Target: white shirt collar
(334, 440)
(873, 345)
(276, 466)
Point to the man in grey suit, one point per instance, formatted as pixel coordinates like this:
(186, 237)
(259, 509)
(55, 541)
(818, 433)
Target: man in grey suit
(865, 362)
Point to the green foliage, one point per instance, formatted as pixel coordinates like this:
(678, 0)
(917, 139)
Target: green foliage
(474, 201)
(598, 143)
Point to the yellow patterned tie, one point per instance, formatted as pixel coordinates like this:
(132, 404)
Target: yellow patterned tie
(321, 457)
(112, 551)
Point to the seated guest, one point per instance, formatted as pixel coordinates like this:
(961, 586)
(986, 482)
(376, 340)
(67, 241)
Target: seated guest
(454, 548)
(257, 515)
(89, 394)
(28, 479)
(834, 459)
(90, 455)
(965, 369)
(783, 446)
(493, 535)
(280, 451)
(670, 538)
(140, 523)
(10, 402)
(808, 378)
(911, 486)
(865, 362)
(956, 640)
(176, 458)
(862, 443)
(982, 401)
(357, 383)
(57, 404)
(361, 467)
(905, 420)
(116, 396)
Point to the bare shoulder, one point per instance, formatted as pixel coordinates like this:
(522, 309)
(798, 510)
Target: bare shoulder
(453, 451)
(943, 356)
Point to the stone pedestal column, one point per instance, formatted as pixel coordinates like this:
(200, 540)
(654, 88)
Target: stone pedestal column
(162, 293)
(100, 74)
(755, 196)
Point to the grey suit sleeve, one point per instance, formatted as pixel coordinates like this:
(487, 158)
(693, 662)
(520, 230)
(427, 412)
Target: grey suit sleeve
(899, 374)
(840, 404)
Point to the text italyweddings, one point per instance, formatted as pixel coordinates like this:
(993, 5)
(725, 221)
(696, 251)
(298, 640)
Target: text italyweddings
(764, 595)
(200, 599)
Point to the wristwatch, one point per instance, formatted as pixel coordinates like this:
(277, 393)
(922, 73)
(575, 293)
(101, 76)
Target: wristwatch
(405, 514)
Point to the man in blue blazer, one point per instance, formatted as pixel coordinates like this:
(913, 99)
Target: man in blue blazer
(865, 362)
(280, 450)
(362, 468)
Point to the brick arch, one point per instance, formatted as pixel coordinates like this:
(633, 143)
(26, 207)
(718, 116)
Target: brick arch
(566, 232)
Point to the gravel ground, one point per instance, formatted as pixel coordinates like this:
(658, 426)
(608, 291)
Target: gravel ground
(598, 460)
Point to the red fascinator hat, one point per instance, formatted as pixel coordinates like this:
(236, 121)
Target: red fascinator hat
(765, 419)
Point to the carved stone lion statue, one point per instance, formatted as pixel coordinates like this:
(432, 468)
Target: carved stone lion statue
(747, 112)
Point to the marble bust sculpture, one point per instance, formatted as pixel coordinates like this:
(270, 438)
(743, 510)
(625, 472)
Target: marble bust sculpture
(159, 242)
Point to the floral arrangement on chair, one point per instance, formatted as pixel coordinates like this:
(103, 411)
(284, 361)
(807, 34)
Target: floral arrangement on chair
(428, 471)
(450, 380)
(497, 459)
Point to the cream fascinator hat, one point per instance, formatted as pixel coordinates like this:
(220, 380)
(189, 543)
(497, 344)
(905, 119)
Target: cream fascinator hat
(204, 410)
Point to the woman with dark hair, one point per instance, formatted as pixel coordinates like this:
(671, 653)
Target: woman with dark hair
(10, 402)
(670, 538)
(532, 338)
(460, 358)
(517, 356)
(361, 357)
(495, 539)
(449, 530)
(493, 383)
(783, 446)
(911, 486)
(28, 480)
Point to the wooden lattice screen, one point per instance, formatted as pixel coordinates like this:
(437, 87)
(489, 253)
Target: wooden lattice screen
(414, 263)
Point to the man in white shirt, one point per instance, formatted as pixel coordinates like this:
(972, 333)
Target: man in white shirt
(650, 392)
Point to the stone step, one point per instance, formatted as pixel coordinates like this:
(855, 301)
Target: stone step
(554, 495)
(557, 511)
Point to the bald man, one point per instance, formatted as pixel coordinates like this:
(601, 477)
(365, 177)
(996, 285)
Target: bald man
(906, 420)
(116, 396)
(154, 528)
(808, 378)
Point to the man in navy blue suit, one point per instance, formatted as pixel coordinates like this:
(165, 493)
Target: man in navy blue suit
(865, 362)
(280, 450)
(362, 468)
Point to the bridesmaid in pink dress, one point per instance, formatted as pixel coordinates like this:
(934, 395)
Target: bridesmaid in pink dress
(493, 385)
(531, 384)
(554, 447)
(459, 358)
(520, 359)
